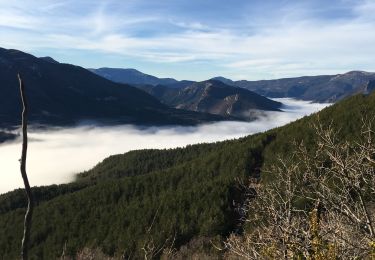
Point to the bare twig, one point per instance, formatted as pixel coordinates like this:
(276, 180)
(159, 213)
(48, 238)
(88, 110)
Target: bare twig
(30, 203)
(339, 179)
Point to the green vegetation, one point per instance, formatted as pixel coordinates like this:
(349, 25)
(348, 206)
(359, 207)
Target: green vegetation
(321, 206)
(130, 199)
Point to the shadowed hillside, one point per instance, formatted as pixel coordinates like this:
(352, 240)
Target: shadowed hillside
(62, 94)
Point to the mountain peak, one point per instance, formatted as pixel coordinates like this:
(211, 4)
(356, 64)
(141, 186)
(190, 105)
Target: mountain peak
(354, 77)
(360, 72)
(132, 76)
(49, 59)
(224, 80)
(215, 97)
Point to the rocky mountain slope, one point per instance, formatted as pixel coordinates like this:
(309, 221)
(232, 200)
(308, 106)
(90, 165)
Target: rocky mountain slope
(214, 97)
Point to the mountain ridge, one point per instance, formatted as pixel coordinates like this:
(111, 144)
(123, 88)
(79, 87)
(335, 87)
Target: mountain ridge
(320, 88)
(63, 94)
(132, 76)
(214, 97)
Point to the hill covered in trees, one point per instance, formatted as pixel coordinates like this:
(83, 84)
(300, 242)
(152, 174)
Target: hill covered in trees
(153, 199)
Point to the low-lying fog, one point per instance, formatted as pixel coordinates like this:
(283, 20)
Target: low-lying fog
(56, 155)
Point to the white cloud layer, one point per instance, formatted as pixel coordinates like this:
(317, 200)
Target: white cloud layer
(56, 155)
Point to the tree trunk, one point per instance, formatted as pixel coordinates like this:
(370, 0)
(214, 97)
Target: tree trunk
(30, 204)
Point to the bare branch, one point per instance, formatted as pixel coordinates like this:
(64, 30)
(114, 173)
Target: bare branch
(339, 179)
(30, 203)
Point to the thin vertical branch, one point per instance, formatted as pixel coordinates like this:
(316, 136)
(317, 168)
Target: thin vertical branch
(30, 204)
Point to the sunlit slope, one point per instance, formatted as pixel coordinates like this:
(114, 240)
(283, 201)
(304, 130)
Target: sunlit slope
(323, 88)
(214, 97)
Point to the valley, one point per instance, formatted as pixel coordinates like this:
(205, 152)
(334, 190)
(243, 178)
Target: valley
(173, 130)
(156, 150)
(150, 152)
(184, 191)
(52, 147)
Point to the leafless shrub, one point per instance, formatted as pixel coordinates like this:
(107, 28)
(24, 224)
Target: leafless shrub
(321, 206)
(92, 254)
(201, 247)
(153, 251)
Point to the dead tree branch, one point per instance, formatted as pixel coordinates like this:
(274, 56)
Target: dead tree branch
(30, 203)
(321, 206)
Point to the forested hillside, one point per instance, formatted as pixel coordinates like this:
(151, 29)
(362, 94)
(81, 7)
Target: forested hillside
(149, 197)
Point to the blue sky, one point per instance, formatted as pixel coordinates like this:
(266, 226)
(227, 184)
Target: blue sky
(191, 39)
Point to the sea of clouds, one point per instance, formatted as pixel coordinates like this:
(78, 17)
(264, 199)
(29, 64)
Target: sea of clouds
(55, 155)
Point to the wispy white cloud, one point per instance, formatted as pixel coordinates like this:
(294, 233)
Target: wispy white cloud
(292, 39)
(17, 20)
(365, 11)
(192, 26)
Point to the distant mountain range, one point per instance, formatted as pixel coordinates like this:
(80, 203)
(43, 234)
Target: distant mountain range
(66, 94)
(325, 88)
(135, 77)
(214, 97)
(63, 94)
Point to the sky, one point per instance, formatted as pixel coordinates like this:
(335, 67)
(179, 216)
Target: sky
(53, 148)
(197, 39)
